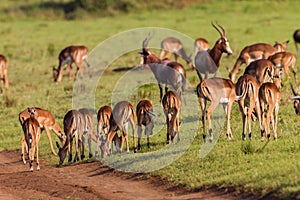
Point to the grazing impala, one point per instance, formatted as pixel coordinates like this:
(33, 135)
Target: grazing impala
(255, 52)
(284, 60)
(296, 99)
(3, 71)
(174, 45)
(165, 71)
(296, 37)
(144, 114)
(73, 128)
(122, 114)
(47, 123)
(70, 55)
(216, 90)
(171, 105)
(247, 91)
(201, 44)
(209, 62)
(31, 138)
(269, 99)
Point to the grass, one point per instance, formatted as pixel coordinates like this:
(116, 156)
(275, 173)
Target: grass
(32, 45)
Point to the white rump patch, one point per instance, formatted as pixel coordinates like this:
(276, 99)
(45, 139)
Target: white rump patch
(224, 100)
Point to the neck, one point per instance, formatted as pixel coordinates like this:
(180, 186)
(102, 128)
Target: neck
(215, 53)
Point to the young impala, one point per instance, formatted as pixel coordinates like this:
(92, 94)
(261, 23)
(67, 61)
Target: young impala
(3, 71)
(165, 71)
(255, 52)
(284, 60)
(209, 62)
(68, 56)
(216, 90)
(171, 105)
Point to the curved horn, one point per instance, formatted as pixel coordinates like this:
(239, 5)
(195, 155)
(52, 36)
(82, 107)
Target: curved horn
(146, 40)
(217, 29)
(224, 33)
(294, 92)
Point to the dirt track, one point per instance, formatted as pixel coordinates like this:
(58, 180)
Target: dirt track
(87, 180)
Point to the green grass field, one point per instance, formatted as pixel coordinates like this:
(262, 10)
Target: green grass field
(32, 44)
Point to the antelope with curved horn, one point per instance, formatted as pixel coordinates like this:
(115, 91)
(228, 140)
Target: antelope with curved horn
(255, 52)
(68, 56)
(296, 37)
(209, 62)
(296, 99)
(3, 71)
(284, 60)
(165, 71)
(217, 91)
(174, 45)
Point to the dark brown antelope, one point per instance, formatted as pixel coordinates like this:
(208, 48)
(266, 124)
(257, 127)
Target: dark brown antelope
(47, 123)
(255, 52)
(3, 71)
(284, 60)
(201, 44)
(296, 37)
(269, 99)
(247, 93)
(144, 114)
(68, 56)
(296, 99)
(73, 128)
(174, 45)
(216, 90)
(209, 62)
(122, 114)
(171, 105)
(31, 138)
(165, 71)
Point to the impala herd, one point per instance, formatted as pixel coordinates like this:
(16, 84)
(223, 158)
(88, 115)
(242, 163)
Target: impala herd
(257, 92)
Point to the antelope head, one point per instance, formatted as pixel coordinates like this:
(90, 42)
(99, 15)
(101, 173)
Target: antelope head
(296, 99)
(222, 42)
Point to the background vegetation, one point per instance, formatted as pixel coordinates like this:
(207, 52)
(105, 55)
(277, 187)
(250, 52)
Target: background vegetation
(33, 33)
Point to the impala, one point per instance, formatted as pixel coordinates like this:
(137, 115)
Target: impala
(31, 138)
(296, 99)
(174, 45)
(103, 126)
(209, 62)
(73, 128)
(3, 71)
(269, 99)
(201, 44)
(144, 114)
(122, 114)
(216, 90)
(68, 56)
(255, 52)
(284, 60)
(296, 37)
(47, 123)
(247, 91)
(88, 128)
(165, 71)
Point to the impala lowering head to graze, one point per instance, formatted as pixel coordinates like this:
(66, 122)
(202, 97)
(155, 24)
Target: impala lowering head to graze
(255, 52)
(165, 71)
(3, 72)
(216, 90)
(88, 128)
(174, 45)
(201, 44)
(31, 138)
(103, 126)
(73, 128)
(171, 105)
(47, 123)
(247, 93)
(144, 114)
(209, 62)
(284, 60)
(296, 37)
(122, 114)
(296, 99)
(269, 100)
(68, 56)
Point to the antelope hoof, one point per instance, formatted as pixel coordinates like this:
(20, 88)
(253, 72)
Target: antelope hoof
(134, 150)
(90, 155)
(31, 169)
(38, 168)
(82, 157)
